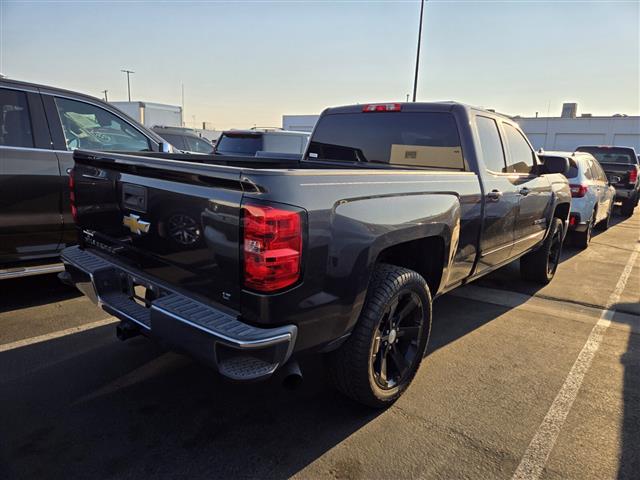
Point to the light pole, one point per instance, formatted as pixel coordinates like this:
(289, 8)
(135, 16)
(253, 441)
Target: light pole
(105, 95)
(129, 72)
(415, 79)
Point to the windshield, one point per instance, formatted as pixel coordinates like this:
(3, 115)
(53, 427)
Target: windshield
(239, 144)
(610, 154)
(396, 138)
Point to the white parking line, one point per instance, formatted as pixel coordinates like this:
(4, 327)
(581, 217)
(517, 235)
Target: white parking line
(537, 454)
(61, 333)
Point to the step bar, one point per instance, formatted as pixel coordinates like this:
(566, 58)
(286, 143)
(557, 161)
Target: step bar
(18, 272)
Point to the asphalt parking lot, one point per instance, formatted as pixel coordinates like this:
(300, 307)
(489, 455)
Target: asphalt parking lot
(517, 378)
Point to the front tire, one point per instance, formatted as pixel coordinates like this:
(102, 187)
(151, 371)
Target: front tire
(384, 351)
(540, 265)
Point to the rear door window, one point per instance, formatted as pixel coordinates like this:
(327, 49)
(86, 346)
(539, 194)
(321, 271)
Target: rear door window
(490, 144)
(88, 126)
(420, 139)
(520, 153)
(15, 120)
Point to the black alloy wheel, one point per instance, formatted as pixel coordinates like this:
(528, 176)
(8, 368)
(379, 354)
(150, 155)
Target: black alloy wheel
(395, 346)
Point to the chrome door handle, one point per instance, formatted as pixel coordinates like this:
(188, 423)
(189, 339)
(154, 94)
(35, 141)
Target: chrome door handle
(524, 191)
(494, 195)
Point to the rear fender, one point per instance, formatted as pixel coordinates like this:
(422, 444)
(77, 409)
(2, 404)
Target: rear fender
(363, 228)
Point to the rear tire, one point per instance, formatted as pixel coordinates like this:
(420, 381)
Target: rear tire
(628, 206)
(582, 239)
(383, 333)
(540, 265)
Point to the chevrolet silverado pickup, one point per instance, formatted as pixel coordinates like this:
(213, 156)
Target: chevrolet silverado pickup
(246, 265)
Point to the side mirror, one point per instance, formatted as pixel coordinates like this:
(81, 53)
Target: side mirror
(556, 165)
(614, 179)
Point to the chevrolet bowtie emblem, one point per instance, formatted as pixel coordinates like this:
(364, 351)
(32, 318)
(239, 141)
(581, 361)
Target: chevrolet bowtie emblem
(137, 226)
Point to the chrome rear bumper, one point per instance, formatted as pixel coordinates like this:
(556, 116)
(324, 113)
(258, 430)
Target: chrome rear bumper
(237, 350)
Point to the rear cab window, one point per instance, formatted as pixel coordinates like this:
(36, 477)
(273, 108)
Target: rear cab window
(416, 139)
(620, 155)
(239, 144)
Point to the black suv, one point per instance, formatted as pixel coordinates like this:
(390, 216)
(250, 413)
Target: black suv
(39, 128)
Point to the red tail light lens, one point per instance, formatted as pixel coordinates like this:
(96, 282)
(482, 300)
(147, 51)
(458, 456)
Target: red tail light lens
(382, 107)
(578, 191)
(633, 175)
(272, 247)
(72, 196)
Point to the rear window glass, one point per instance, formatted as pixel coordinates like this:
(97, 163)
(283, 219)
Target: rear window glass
(611, 155)
(396, 138)
(238, 144)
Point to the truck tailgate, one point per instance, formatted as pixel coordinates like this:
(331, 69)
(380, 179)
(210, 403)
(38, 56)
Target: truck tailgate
(174, 221)
(617, 170)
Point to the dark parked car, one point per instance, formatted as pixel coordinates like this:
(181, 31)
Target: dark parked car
(185, 139)
(340, 252)
(622, 166)
(39, 128)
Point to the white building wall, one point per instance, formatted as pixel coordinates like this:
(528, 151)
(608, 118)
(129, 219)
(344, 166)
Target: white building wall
(552, 133)
(299, 123)
(569, 133)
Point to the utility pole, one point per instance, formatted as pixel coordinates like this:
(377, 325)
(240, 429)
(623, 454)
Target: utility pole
(415, 80)
(407, 97)
(128, 72)
(105, 95)
(183, 122)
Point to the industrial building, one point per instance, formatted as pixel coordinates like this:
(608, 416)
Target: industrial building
(152, 114)
(550, 133)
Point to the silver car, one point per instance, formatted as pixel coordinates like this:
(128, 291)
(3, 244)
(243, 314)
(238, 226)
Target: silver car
(591, 196)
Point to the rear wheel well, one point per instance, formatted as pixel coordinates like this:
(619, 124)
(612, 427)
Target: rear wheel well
(424, 255)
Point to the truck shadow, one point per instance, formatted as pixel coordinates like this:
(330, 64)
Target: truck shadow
(28, 292)
(134, 410)
(630, 432)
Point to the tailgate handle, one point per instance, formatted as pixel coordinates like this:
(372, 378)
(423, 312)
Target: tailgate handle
(134, 197)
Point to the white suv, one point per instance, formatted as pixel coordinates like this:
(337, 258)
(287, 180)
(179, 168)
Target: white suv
(591, 195)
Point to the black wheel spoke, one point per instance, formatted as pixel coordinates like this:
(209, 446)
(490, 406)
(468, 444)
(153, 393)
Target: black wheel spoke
(409, 333)
(406, 310)
(392, 311)
(399, 361)
(383, 368)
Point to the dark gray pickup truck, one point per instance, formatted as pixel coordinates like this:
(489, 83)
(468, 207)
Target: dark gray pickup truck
(247, 264)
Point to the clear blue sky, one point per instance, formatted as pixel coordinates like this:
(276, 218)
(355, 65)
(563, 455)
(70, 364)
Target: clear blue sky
(245, 63)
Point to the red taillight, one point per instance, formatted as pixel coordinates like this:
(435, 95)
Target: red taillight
(633, 175)
(382, 107)
(72, 196)
(272, 247)
(578, 191)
